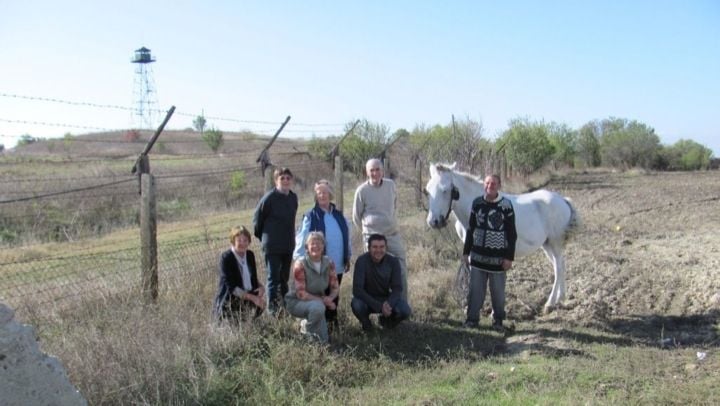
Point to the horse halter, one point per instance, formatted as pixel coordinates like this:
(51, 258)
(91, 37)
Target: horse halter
(454, 195)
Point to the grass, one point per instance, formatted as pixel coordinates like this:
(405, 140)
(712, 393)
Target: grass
(119, 351)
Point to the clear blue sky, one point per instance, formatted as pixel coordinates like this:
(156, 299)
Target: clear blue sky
(399, 63)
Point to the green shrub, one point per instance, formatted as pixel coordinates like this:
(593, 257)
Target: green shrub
(7, 236)
(686, 155)
(213, 138)
(527, 145)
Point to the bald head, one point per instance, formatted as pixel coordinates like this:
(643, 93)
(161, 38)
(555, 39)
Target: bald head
(375, 171)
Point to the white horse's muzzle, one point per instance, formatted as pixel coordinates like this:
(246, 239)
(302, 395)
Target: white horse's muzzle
(437, 221)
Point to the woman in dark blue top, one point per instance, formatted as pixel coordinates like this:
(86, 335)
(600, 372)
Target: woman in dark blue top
(239, 292)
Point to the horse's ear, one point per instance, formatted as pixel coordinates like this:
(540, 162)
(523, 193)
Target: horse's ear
(433, 170)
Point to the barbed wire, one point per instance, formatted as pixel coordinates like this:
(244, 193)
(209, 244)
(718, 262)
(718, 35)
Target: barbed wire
(68, 102)
(162, 187)
(140, 141)
(67, 257)
(160, 174)
(65, 191)
(22, 160)
(59, 179)
(130, 109)
(44, 123)
(124, 157)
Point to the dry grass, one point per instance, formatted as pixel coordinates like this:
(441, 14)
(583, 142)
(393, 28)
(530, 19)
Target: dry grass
(642, 302)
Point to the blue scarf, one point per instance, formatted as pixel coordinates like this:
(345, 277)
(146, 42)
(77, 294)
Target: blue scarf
(316, 215)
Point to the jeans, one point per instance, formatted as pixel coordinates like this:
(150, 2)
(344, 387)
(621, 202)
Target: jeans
(362, 311)
(277, 267)
(479, 280)
(314, 312)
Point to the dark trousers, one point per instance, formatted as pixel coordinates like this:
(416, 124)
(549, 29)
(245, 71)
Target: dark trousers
(238, 310)
(277, 267)
(362, 311)
(331, 315)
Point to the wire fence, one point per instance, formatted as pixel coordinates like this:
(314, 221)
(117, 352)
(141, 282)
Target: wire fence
(59, 195)
(64, 210)
(45, 285)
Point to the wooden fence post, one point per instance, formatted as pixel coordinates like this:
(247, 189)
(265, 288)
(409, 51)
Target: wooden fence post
(504, 166)
(418, 180)
(339, 182)
(264, 158)
(148, 238)
(338, 167)
(148, 218)
(269, 181)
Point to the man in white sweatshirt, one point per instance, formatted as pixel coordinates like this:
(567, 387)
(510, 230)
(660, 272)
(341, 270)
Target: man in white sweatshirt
(374, 211)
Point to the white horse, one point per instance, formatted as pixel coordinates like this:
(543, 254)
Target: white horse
(543, 219)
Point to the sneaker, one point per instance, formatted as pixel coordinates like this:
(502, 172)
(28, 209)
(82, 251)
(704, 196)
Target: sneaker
(471, 324)
(303, 326)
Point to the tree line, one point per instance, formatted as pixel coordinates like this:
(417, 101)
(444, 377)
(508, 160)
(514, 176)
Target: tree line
(527, 145)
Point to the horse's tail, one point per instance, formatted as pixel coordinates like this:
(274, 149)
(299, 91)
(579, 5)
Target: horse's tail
(575, 223)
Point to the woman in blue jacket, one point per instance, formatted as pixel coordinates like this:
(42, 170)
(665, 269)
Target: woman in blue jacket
(326, 218)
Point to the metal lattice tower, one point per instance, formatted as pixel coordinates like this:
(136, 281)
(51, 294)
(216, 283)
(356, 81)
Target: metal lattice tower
(144, 93)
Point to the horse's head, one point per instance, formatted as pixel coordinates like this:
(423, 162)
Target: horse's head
(441, 192)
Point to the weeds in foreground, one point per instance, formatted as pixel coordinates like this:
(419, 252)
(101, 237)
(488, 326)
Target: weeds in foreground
(119, 351)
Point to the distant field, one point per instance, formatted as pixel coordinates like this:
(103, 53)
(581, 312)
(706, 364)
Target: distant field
(647, 261)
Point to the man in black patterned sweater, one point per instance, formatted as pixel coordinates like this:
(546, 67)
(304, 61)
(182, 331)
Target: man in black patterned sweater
(489, 251)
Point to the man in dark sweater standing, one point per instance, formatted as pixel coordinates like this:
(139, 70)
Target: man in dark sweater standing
(378, 287)
(489, 251)
(274, 225)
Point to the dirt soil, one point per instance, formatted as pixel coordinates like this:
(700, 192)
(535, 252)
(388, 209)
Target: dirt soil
(645, 263)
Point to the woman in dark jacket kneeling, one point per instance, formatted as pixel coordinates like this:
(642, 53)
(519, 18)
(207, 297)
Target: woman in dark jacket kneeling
(239, 292)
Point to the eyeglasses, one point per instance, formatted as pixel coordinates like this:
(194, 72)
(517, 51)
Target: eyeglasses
(286, 178)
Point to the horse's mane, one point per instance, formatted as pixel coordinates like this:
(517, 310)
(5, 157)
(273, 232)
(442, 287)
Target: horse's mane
(449, 168)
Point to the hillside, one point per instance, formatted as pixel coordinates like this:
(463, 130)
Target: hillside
(170, 142)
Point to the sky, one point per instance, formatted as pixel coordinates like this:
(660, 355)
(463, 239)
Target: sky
(65, 66)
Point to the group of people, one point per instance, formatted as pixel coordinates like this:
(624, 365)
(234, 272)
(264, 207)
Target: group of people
(305, 269)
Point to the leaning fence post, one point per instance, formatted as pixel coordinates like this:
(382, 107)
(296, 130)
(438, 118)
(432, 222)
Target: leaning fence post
(148, 238)
(264, 158)
(148, 217)
(268, 178)
(338, 167)
(339, 182)
(418, 182)
(504, 166)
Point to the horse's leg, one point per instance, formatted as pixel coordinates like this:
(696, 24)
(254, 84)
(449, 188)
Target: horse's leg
(553, 250)
(460, 230)
(560, 275)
